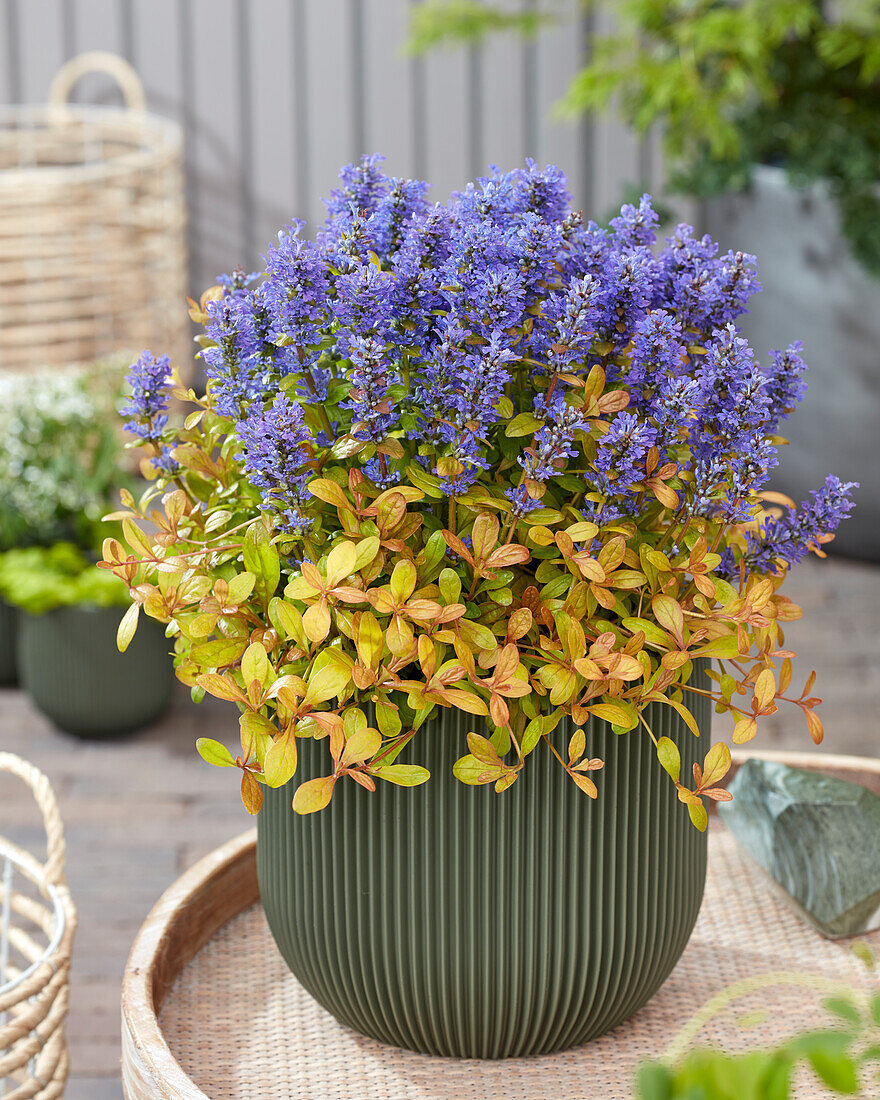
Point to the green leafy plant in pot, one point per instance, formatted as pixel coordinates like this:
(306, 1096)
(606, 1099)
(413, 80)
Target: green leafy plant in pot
(66, 649)
(59, 468)
(474, 495)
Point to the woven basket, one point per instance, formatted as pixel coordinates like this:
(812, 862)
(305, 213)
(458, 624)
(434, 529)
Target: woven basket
(92, 250)
(37, 922)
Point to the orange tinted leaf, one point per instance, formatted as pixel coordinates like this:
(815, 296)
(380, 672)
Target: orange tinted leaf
(484, 535)
(313, 795)
(814, 725)
(765, 689)
(716, 765)
(585, 783)
(744, 730)
(482, 749)
(668, 614)
(251, 793)
(362, 745)
(508, 555)
(718, 794)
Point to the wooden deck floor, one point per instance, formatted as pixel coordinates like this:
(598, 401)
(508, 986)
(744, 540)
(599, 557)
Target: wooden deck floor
(139, 811)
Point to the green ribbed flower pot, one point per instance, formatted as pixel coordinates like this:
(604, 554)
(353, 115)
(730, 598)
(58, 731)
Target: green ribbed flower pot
(69, 664)
(8, 631)
(454, 921)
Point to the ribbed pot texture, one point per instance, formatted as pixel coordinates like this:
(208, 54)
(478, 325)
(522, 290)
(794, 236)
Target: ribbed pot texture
(69, 664)
(8, 630)
(450, 920)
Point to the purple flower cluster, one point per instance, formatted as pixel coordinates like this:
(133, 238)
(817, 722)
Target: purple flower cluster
(435, 323)
(276, 446)
(147, 408)
(790, 537)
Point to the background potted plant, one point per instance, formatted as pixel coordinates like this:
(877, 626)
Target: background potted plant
(59, 470)
(475, 493)
(67, 657)
(768, 111)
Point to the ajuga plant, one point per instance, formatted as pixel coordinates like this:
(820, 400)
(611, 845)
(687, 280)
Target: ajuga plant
(481, 455)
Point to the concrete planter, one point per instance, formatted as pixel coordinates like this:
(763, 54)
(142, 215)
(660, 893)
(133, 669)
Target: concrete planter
(454, 921)
(815, 291)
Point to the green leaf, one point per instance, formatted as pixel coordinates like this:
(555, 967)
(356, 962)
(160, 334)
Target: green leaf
(844, 1008)
(651, 630)
(532, 735)
(523, 424)
(654, 1082)
(365, 551)
(698, 816)
(837, 1071)
(261, 559)
(403, 775)
(329, 677)
(287, 621)
(450, 586)
(215, 753)
(474, 772)
(240, 588)
(875, 1010)
(362, 745)
(421, 479)
(669, 757)
(219, 652)
(255, 665)
(280, 763)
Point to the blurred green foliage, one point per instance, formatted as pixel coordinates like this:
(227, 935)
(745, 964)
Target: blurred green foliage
(731, 84)
(844, 1055)
(39, 579)
(61, 456)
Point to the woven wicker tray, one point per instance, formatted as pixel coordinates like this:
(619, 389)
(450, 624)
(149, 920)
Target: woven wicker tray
(209, 1010)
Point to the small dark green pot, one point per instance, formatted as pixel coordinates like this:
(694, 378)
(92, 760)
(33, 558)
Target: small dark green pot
(454, 921)
(69, 664)
(8, 631)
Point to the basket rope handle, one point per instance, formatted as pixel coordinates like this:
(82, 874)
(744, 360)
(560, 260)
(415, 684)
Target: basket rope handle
(53, 869)
(98, 61)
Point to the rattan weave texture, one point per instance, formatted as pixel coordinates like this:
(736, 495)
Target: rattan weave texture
(37, 922)
(242, 1028)
(92, 248)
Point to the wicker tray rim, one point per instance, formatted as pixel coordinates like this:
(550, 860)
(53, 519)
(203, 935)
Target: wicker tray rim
(158, 954)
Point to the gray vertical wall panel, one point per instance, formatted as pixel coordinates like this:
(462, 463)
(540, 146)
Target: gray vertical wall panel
(330, 85)
(616, 149)
(273, 123)
(447, 151)
(218, 222)
(559, 52)
(389, 104)
(502, 77)
(40, 46)
(275, 95)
